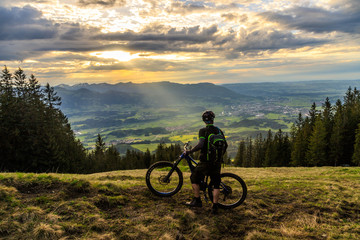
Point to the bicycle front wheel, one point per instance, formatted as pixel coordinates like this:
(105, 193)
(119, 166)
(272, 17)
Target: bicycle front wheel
(160, 182)
(233, 191)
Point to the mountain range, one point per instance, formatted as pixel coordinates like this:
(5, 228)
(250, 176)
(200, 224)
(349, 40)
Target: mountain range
(156, 93)
(161, 93)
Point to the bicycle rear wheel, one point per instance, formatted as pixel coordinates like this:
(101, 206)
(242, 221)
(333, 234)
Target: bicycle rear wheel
(233, 191)
(158, 181)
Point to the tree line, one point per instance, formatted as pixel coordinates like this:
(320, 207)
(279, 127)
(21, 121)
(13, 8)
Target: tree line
(329, 136)
(107, 158)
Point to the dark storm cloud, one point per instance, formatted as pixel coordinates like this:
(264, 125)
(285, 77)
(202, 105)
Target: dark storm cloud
(24, 24)
(104, 3)
(318, 20)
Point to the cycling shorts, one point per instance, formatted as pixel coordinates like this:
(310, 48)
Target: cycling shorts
(207, 169)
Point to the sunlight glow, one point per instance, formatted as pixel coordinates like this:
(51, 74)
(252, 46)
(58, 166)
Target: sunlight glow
(126, 56)
(118, 55)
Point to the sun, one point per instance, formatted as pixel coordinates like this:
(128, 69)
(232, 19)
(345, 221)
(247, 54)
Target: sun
(121, 56)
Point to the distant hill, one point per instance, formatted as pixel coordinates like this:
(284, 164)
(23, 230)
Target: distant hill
(161, 93)
(83, 97)
(333, 89)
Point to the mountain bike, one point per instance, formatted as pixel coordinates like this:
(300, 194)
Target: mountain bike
(165, 179)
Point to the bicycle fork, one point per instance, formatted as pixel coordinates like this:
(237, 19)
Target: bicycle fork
(167, 177)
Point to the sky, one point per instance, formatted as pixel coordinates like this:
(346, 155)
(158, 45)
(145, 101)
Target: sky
(217, 41)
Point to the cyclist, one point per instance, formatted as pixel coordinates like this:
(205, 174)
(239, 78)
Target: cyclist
(205, 166)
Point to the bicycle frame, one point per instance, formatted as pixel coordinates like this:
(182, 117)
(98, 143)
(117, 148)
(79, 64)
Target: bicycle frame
(191, 162)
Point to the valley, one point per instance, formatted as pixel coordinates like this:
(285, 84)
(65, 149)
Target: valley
(139, 116)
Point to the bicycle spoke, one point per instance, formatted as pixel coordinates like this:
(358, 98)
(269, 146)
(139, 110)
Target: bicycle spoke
(232, 192)
(160, 183)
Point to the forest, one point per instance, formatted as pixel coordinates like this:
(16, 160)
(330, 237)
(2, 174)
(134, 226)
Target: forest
(36, 136)
(326, 137)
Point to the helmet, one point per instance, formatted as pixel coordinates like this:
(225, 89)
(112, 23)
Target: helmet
(208, 116)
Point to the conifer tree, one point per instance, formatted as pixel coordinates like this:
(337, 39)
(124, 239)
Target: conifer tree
(248, 153)
(99, 145)
(316, 154)
(337, 136)
(269, 150)
(328, 119)
(356, 155)
(312, 114)
(259, 152)
(50, 97)
(147, 158)
(240, 155)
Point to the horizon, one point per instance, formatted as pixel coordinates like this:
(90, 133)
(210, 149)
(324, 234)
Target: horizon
(181, 41)
(98, 83)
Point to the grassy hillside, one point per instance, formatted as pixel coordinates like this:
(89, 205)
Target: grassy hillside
(282, 203)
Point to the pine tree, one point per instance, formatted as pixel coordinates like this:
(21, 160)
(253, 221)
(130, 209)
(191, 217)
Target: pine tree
(328, 119)
(356, 155)
(147, 158)
(316, 154)
(300, 144)
(337, 136)
(259, 152)
(99, 145)
(240, 155)
(50, 97)
(248, 153)
(7, 129)
(312, 114)
(269, 150)
(20, 83)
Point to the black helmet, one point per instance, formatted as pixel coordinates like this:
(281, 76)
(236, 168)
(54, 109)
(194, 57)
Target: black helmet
(208, 116)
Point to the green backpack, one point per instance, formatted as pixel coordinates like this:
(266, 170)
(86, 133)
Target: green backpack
(216, 147)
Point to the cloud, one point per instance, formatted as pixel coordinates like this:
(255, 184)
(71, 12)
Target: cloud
(318, 20)
(25, 24)
(103, 3)
(163, 33)
(17, 2)
(186, 7)
(160, 38)
(262, 40)
(46, 36)
(235, 17)
(152, 65)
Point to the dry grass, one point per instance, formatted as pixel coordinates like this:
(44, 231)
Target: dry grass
(46, 231)
(282, 203)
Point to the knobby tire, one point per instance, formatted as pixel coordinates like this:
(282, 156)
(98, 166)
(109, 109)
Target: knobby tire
(155, 176)
(238, 187)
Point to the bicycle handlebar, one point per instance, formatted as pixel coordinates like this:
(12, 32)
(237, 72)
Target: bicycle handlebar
(186, 145)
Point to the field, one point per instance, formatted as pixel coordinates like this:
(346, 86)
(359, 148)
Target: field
(282, 203)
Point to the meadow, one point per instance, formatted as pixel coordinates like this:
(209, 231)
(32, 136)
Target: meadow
(282, 203)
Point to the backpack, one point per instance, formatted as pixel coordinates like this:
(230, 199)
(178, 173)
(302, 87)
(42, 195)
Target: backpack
(216, 147)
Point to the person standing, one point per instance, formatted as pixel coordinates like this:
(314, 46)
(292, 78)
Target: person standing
(210, 164)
